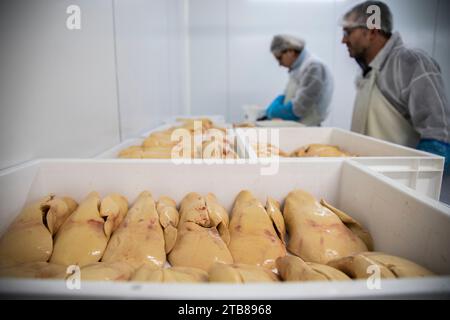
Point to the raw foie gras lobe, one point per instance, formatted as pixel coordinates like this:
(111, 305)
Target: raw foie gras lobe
(174, 274)
(107, 271)
(29, 238)
(219, 217)
(316, 233)
(82, 240)
(199, 243)
(389, 266)
(140, 238)
(39, 269)
(320, 150)
(254, 239)
(169, 219)
(292, 268)
(240, 273)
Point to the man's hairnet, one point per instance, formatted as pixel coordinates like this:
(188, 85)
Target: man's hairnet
(358, 16)
(282, 43)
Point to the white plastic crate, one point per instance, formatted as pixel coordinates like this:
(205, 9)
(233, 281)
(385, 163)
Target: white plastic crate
(402, 222)
(419, 170)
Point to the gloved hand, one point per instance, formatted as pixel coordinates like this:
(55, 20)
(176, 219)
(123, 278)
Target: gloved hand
(437, 147)
(279, 110)
(278, 100)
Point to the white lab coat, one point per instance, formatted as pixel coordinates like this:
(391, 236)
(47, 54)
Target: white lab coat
(411, 83)
(310, 89)
(374, 115)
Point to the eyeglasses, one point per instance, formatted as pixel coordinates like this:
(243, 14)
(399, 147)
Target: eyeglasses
(346, 32)
(279, 57)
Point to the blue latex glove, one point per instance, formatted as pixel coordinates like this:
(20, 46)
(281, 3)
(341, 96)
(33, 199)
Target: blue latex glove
(278, 100)
(437, 147)
(282, 111)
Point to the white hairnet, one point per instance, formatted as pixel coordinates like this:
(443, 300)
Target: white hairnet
(282, 43)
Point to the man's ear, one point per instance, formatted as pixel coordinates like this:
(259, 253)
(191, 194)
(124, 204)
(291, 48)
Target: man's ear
(373, 33)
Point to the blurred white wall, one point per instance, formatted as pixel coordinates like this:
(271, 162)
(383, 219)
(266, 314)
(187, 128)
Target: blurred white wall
(57, 86)
(236, 36)
(208, 57)
(76, 93)
(150, 53)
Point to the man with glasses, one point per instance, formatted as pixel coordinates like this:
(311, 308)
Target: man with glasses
(400, 93)
(310, 87)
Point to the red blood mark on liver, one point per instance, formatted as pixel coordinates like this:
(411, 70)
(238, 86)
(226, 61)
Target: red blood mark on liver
(269, 235)
(96, 223)
(313, 224)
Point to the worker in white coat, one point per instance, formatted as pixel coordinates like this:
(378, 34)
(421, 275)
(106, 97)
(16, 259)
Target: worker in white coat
(308, 93)
(400, 93)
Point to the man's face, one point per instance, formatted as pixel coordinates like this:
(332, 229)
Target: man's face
(357, 41)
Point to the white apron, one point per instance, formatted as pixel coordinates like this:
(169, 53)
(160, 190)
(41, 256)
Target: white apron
(374, 116)
(312, 117)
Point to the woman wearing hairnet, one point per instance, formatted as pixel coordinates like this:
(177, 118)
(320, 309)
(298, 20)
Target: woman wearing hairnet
(308, 92)
(400, 94)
